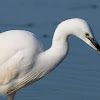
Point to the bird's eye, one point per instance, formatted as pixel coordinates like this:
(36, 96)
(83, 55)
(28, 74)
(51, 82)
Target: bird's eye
(87, 34)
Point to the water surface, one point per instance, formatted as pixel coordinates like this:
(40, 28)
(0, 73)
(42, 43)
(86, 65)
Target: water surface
(78, 76)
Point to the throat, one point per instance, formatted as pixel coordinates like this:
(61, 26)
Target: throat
(59, 49)
(55, 55)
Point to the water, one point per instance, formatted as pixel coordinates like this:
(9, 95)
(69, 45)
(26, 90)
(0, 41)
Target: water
(77, 77)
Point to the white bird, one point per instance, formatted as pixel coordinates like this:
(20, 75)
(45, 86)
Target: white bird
(22, 60)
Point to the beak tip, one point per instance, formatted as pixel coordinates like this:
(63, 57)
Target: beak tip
(98, 51)
(95, 44)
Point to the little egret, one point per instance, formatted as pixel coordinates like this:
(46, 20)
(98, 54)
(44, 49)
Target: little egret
(22, 60)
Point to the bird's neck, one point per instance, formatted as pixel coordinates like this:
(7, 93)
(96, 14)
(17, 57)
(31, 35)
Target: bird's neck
(52, 57)
(59, 48)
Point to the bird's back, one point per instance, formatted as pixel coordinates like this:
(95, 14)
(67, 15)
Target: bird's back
(18, 51)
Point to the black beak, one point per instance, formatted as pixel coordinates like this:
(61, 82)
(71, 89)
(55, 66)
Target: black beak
(95, 43)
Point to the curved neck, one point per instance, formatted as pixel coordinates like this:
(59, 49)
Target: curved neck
(59, 47)
(62, 32)
(52, 57)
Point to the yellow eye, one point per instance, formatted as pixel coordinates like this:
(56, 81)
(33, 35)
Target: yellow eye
(87, 34)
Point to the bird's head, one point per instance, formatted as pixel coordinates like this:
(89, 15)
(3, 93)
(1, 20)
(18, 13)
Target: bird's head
(84, 32)
(79, 28)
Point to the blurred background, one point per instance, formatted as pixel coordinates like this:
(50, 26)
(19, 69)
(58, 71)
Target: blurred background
(78, 76)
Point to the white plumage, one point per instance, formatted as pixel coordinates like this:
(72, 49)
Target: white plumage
(18, 51)
(22, 61)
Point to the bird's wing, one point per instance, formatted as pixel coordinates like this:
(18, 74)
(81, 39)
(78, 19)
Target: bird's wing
(15, 46)
(9, 62)
(29, 78)
(18, 50)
